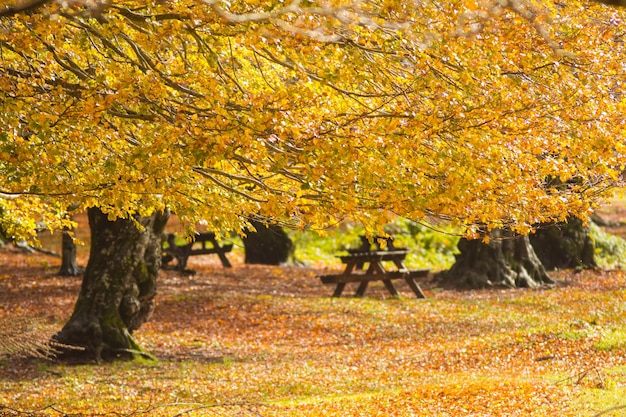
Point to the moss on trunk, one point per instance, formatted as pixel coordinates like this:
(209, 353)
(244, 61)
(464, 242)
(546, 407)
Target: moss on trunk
(506, 261)
(119, 285)
(564, 245)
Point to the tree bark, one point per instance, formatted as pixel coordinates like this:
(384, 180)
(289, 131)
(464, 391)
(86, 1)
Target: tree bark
(69, 267)
(118, 288)
(269, 245)
(506, 261)
(564, 245)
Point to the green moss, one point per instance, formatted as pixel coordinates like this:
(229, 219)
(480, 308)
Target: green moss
(119, 341)
(607, 398)
(141, 273)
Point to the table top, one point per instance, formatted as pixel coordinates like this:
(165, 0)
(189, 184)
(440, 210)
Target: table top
(379, 255)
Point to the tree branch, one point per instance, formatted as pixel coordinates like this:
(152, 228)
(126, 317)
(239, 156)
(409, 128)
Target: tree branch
(620, 3)
(225, 186)
(23, 7)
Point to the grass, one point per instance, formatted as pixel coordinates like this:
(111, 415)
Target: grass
(257, 341)
(612, 339)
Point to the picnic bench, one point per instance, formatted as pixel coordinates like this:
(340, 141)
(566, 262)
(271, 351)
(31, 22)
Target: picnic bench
(203, 244)
(355, 271)
(375, 244)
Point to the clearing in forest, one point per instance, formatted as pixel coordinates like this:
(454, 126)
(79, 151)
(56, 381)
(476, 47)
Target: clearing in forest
(271, 341)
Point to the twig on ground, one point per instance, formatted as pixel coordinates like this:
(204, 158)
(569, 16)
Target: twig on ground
(610, 410)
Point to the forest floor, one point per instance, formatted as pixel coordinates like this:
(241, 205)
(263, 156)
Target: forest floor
(270, 341)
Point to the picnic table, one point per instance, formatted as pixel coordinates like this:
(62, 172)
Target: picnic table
(355, 272)
(375, 244)
(203, 244)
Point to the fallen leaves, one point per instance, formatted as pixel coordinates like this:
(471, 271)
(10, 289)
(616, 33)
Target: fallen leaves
(269, 341)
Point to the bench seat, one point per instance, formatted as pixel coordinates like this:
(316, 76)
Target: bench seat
(208, 251)
(402, 274)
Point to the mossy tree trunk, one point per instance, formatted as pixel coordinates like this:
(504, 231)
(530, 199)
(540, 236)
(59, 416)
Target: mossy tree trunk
(508, 260)
(269, 245)
(119, 285)
(564, 245)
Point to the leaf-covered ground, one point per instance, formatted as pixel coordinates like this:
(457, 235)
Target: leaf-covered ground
(269, 341)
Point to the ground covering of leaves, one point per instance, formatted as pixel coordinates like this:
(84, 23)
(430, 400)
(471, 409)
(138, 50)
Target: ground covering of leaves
(270, 341)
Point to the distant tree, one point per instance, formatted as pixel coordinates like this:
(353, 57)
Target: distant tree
(267, 245)
(564, 245)
(69, 267)
(506, 260)
(511, 260)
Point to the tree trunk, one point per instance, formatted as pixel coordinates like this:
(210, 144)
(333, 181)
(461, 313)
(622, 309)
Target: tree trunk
(119, 285)
(506, 261)
(564, 245)
(269, 245)
(69, 267)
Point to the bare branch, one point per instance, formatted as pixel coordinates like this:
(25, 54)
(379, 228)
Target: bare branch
(293, 7)
(619, 3)
(235, 177)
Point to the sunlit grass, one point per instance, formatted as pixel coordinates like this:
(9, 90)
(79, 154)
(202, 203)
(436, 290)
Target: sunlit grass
(428, 248)
(612, 339)
(610, 250)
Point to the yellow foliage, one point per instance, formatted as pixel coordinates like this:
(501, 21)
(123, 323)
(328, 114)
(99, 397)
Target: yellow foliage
(468, 111)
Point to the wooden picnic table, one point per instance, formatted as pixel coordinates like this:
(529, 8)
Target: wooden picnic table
(197, 247)
(375, 271)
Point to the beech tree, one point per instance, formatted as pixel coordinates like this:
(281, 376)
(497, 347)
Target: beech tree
(267, 245)
(513, 260)
(302, 114)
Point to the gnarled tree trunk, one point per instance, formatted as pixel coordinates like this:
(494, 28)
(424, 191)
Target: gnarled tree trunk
(564, 245)
(508, 260)
(119, 285)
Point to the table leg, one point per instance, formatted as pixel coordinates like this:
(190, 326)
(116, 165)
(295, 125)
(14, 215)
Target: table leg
(415, 287)
(224, 260)
(361, 290)
(339, 289)
(399, 264)
(390, 287)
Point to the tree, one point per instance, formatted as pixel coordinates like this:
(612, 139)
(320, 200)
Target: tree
(564, 245)
(506, 260)
(308, 114)
(267, 244)
(117, 294)
(69, 267)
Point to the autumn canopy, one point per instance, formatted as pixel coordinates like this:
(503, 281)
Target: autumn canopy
(308, 114)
